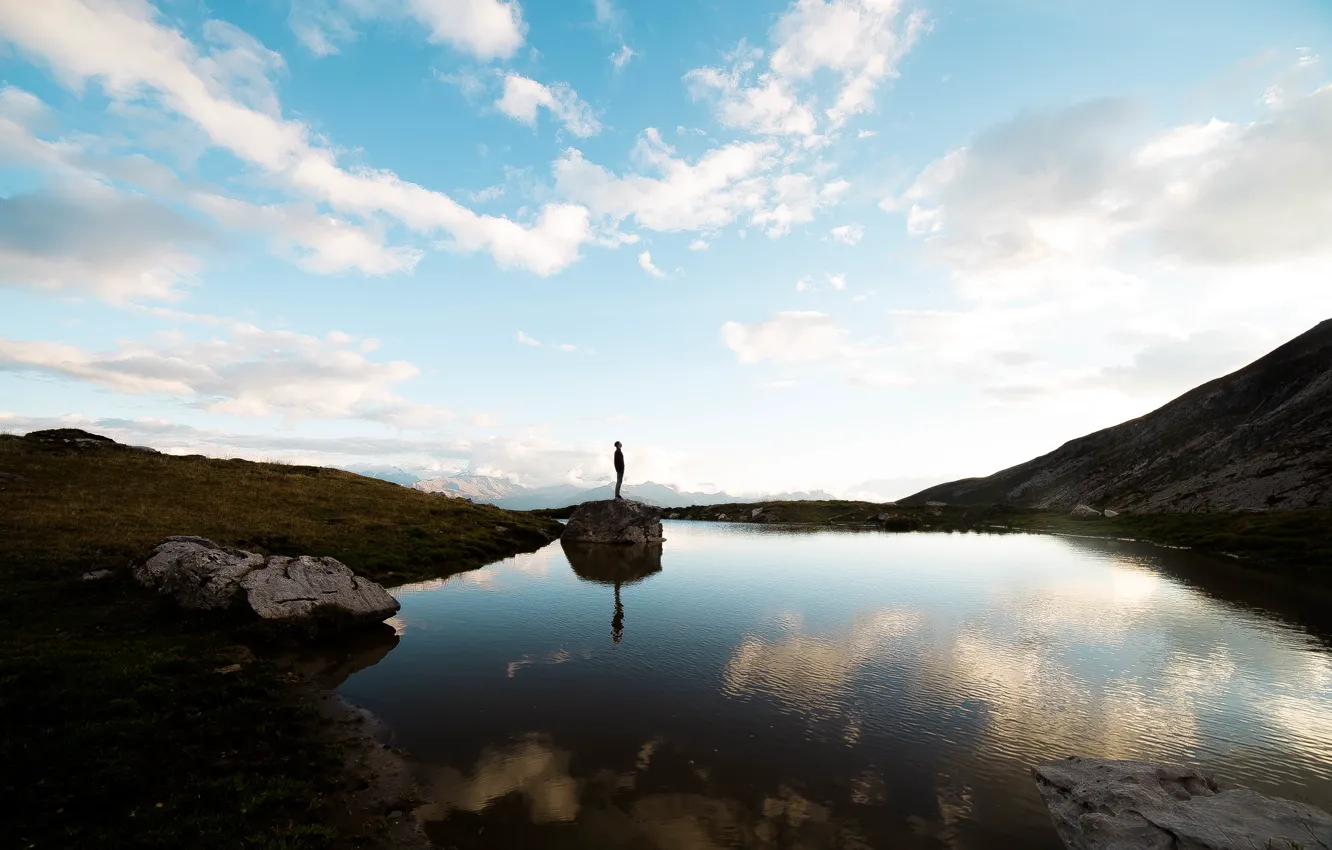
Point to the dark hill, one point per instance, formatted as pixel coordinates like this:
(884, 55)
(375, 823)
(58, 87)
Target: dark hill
(1258, 438)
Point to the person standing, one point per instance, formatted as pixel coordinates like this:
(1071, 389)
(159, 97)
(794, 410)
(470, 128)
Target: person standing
(619, 468)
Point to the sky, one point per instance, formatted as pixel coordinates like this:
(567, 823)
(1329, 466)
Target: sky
(857, 245)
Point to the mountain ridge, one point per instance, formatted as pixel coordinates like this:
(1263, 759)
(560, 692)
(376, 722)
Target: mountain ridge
(1255, 439)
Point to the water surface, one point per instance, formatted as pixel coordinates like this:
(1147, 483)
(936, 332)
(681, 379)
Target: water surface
(754, 687)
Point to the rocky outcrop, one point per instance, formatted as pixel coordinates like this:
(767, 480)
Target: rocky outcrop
(200, 575)
(1257, 438)
(1127, 805)
(614, 521)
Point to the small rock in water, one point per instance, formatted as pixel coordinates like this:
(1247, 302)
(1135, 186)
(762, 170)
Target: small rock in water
(614, 521)
(1098, 804)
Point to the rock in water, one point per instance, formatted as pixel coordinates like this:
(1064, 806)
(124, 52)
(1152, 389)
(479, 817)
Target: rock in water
(1098, 804)
(614, 521)
(201, 575)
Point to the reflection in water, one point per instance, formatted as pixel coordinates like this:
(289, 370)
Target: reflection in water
(609, 808)
(606, 563)
(829, 690)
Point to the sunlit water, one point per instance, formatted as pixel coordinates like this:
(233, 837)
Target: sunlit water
(832, 689)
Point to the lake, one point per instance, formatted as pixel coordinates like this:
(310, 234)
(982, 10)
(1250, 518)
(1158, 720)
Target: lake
(761, 687)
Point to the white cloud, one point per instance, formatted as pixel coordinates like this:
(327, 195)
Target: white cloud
(132, 54)
(89, 238)
(646, 264)
(698, 245)
(622, 57)
(705, 195)
(848, 234)
(523, 96)
(486, 29)
(767, 106)
(795, 336)
(861, 40)
(252, 372)
(795, 199)
(1081, 185)
(527, 340)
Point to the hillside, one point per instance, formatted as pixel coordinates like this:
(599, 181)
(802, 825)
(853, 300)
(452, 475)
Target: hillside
(1256, 439)
(125, 722)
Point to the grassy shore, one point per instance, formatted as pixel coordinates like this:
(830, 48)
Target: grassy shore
(1295, 542)
(116, 727)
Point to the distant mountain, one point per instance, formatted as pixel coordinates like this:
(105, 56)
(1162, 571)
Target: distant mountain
(1258, 438)
(516, 497)
(478, 488)
(396, 474)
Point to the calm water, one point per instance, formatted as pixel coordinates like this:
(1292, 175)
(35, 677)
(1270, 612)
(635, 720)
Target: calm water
(762, 688)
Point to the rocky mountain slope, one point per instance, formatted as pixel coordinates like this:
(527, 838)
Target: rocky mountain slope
(1258, 438)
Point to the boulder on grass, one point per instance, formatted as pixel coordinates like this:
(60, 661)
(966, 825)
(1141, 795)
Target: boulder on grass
(200, 575)
(1085, 512)
(614, 521)
(1099, 804)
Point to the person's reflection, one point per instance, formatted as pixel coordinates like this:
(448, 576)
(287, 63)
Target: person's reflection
(618, 565)
(617, 621)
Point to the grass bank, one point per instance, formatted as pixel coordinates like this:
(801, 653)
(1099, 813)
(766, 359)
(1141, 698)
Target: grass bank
(118, 727)
(1294, 542)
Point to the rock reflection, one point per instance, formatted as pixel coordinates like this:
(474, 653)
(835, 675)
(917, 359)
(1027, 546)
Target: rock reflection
(610, 564)
(332, 664)
(615, 565)
(606, 808)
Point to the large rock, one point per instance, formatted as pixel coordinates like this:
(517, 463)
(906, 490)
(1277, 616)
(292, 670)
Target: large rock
(1085, 512)
(200, 575)
(1128, 805)
(614, 521)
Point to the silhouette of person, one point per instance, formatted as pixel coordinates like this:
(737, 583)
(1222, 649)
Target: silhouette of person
(617, 621)
(619, 468)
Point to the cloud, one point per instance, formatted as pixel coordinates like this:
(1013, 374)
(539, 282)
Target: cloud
(522, 97)
(141, 245)
(698, 245)
(486, 29)
(734, 181)
(835, 282)
(92, 239)
(1086, 184)
(646, 264)
(848, 234)
(621, 57)
(250, 372)
(137, 58)
(527, 340)
(861, 40)
(789, 337)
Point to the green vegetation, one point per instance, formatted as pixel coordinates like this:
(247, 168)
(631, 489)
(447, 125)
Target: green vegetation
(116, 727)
(1297, 541)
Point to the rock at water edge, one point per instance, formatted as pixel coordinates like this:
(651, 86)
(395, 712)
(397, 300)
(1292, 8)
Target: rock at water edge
(198, 574)
(1098, 804)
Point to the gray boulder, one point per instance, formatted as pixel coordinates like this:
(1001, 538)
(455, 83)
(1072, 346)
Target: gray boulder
(1110, 514)
(1097, 804)
(200, 575)
(614, 521)
(1084, 512)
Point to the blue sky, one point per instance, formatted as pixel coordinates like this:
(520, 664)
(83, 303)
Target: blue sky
(860, 245)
